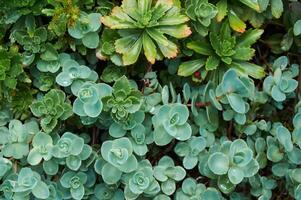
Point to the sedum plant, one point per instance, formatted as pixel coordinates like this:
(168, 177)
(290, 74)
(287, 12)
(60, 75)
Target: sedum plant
(168, 174)
(282, 82)
(29, 182)
(42, 149)
(262, 186)
(191, 150)
(30, 36)
(72, 149)
(51, 107)
(171, 122)
(235, 89)
(50, 60)
(10, 68)
(74, 74)
(42, 81)
(97, 101)
(75, 183)
(85, 29)
(89, 99)
(141, 181)
(6, 166)
(236, 163)
(119, 158)
(106, 192)
(143, 25)
(16, 138)
(201, 12)
(191, 189)
(124, 104)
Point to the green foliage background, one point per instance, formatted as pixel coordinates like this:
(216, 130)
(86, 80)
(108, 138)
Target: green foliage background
(150, 99)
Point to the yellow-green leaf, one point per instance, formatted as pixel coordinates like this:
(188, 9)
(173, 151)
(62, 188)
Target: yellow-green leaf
(189, 67)
(236, 23)
(124, 44)
(157, 36)
(200, 47)
(149, 48)
(177, 31)
(277, 8)
(252, 4)
(170, 50)
(131, 56)
(250, 69)
(222, 9)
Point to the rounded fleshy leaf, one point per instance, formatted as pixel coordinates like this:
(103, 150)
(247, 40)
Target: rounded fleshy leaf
(91, 40)
(93, 110)
(77, 193)
(116, 130)
(41, 191)
(73, 162)
(235, 175)
(168, 187)
(218, 163)
(225, 185)
(34, 157)
(110, 174)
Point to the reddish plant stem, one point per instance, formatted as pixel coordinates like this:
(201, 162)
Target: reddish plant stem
(95, 135)
(146, 81)
(229, 131)
(204, 104)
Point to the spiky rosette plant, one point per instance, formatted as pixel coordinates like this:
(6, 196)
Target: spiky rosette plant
(222, 50)
(144, 24)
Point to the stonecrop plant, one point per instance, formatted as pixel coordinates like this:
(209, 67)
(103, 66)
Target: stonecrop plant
(150, 99)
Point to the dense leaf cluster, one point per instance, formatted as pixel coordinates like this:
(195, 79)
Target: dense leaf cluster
(150, 99)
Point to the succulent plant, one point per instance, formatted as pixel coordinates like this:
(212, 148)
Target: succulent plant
(42, 148)
(141, 181)
(125, 100)
(201, 12)
(74, 75)
(50, 60)
(31, 37)
(168, 174)
(106, 192)
(10, 67)
(297, 28)
(191, 150)
(110, 113)
(5, 166)
(236, 88)
(220, 51)
(144, 25)
(85, 29)
(74, 181)
(89, 99)
(236, 163)
(191, 189)
(16, 138)
(42, 81)
(171, 122)
(281, 82)
(119, 156)
(124, 105)
(52, 107)
(262, 186)
(27, 182)
(140, 138)
(72, 148)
